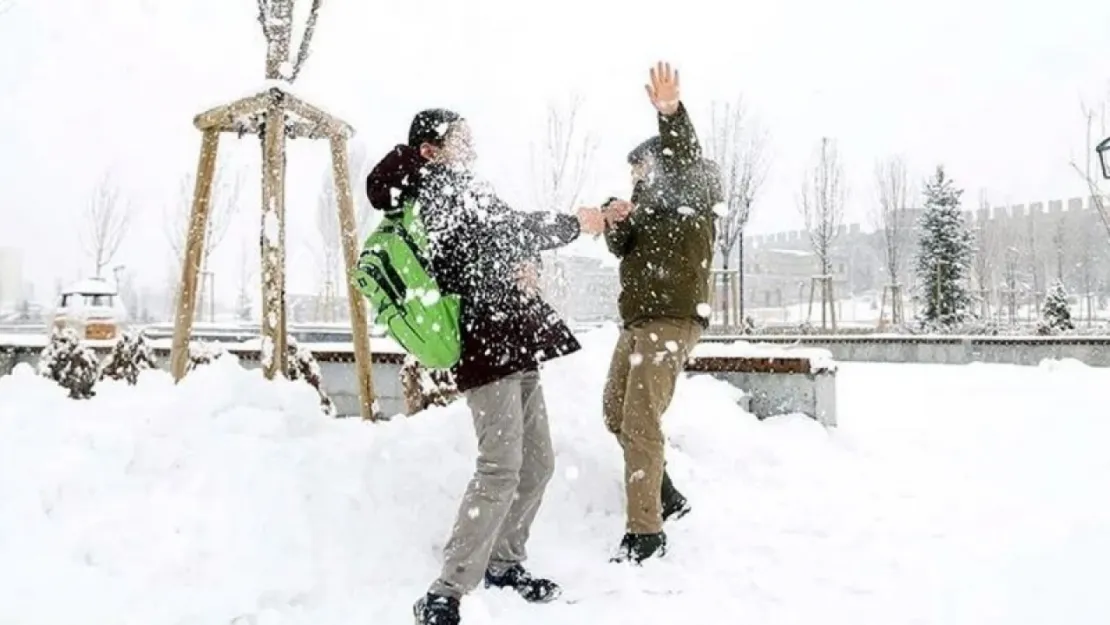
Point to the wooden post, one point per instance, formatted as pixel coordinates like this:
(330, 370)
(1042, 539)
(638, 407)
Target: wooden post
(194, 247)
(273, 229)
(348, 233)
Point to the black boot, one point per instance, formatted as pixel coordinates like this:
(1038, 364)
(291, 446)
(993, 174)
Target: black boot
(533, 589)
(436, 610)
(636, 548)
(675, 505)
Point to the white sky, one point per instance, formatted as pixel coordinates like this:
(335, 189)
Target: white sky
(991, 88)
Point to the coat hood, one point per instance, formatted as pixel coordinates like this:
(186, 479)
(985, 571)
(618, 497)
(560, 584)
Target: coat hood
(395, 179)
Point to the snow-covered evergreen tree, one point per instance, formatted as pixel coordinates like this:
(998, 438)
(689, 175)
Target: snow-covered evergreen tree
(130, 355)
(424, 388)
(203, 353)
(70, 363)
(301, 364)
(946, 247)
(1056, 314)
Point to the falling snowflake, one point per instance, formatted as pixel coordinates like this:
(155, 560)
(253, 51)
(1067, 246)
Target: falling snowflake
(704, 310)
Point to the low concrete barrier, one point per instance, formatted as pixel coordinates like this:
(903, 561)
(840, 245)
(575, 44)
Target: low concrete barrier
(953, 350)
(773, 384)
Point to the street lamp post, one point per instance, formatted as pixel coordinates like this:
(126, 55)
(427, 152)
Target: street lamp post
(1103, 151)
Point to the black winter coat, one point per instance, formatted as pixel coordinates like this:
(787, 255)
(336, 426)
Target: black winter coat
(477, 244)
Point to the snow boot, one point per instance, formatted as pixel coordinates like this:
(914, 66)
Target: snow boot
(436, 610)
(533, 589)
(675, 506)
(636, 548)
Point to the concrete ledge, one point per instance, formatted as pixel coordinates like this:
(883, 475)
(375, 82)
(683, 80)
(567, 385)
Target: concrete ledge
(776, 386)
(772, 385)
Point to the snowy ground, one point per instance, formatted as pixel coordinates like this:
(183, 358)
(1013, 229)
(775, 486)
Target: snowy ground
(950, 495)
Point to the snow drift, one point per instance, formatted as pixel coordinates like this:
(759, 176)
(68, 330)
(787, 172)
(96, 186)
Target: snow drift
(229, 499)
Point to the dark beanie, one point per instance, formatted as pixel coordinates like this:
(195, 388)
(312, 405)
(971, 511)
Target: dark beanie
(430, 126)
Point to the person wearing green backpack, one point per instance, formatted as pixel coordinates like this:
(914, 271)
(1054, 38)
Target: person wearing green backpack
(484, 255)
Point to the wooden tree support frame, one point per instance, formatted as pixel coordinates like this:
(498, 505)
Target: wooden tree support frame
(824, 284)
(297, 120)
(897, 308)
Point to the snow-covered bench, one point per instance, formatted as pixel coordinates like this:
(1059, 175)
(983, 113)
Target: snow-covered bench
(776, 379)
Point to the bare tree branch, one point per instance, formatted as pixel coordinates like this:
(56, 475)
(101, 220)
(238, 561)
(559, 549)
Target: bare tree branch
(276, 17)
(989, 243)
(1089, 172)
(106, 219)
(561, 163)
(891, 216)
(5, 5)
(739, 149)
(821, 201)
(226, 198)
(306, 39)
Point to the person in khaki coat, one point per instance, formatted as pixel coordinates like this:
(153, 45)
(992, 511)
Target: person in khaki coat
(664, 239)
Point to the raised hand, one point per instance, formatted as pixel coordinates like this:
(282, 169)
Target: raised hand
(617, 211)
(664, 88)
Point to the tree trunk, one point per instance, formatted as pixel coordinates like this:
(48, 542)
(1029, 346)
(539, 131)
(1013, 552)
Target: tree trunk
(726, 308)
(740, 287)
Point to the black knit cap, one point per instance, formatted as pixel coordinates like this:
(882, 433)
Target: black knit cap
(652, 148)
(430, 126)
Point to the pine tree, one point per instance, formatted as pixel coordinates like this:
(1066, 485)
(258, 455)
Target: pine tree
(1056, 314)
(944, 256)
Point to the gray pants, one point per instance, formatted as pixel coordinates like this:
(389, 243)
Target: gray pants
(515, 462)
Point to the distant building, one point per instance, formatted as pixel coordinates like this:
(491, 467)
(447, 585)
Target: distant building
(1021, 250)
(582, 289)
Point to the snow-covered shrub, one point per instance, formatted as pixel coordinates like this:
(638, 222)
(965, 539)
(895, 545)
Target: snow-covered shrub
(203, 353)
(424, 388)
(300, 364)
(130, 355)
(70, 363)
(1056, 313)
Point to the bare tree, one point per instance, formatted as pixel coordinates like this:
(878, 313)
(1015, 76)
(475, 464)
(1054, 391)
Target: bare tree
(561, 163)
(1095, 118)
(106, 219)
(329, 253)
(560, 166)
(276, 18)
(5, 5)
(892, 219)
(821, 204)
(359, 166)
(988, 244)
(1087, 247)
(227, 191)
(226, 199)
(247, 269)
(739, 149)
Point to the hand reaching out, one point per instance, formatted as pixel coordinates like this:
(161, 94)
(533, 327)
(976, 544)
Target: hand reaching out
(664, 88)
(591, 220)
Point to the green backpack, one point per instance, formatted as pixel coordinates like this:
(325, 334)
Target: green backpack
(392, 272)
